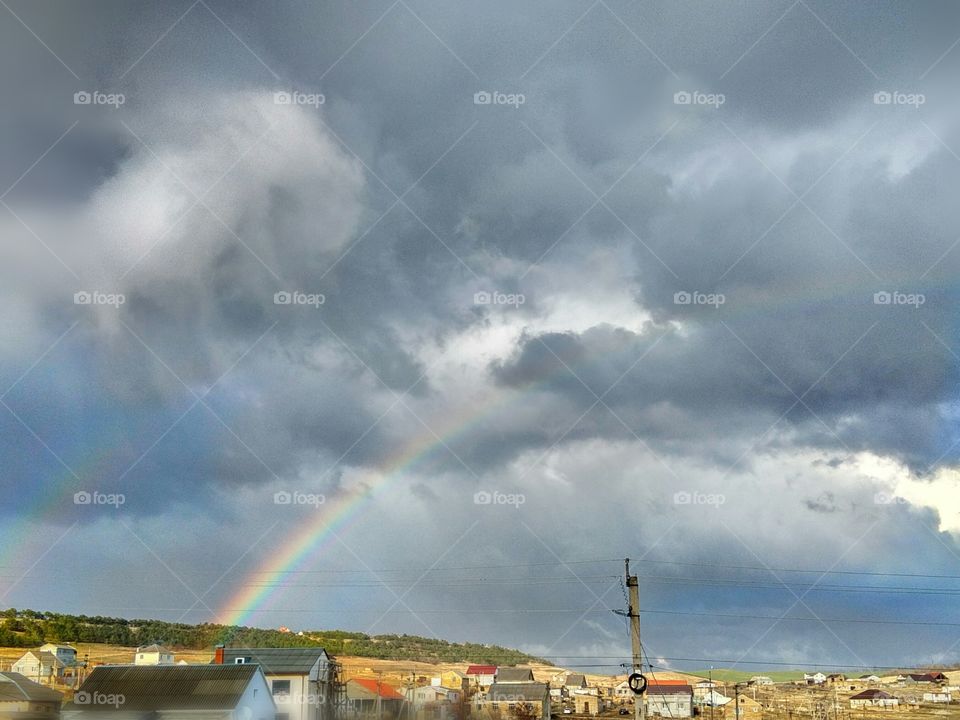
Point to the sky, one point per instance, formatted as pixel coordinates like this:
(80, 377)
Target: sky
(420, 316)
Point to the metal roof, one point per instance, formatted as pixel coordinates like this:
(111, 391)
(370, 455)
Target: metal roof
(481, 669)
(168, 687)
(518, 691)
(14, 687)
(366, 688)
(514, 675)
(277, 661)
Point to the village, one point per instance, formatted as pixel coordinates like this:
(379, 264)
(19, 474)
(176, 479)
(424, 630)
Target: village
(306, 683)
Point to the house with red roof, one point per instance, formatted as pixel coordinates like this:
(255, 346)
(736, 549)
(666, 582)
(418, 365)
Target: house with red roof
(481, 676)
(371, 697)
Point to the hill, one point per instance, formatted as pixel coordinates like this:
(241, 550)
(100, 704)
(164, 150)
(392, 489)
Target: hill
(31, 628)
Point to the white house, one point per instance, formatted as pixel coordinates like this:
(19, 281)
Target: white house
(761, 680)
(622, 691)
(817, 678)
(669, 701)
(873, 698)
(153, 655)
(300, 679)
(481, 676)
(173, 692)
(39, 666)
(936, 697)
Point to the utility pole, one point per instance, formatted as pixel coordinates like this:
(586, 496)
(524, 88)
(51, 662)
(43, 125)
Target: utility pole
(633, 612)
(736, 701)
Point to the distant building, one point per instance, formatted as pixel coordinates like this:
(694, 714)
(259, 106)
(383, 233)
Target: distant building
(761, 680)
(23, 699)
(153, 655)
(669, 700)
(502, 700)
(873, 698)
(622, 691)
(744, 707)
(300, 679)
(587, 701)
(40, 666)
(817, 678)
(575, 681)
(511, 675)
(451, 679)
(67, 654)
(173, 692)
(937, 697)
(373, 698)
(481, 676)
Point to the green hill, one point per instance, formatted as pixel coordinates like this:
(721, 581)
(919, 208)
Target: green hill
(30, 628)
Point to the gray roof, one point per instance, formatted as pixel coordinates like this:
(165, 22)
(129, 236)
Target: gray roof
(155, 648)
(514, 692)
(169, 687)
(277, 661)
(14, 687)
(513, 675)
(575, 680)
(656, 689)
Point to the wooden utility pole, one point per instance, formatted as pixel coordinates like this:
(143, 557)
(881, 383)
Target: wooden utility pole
(633, 612)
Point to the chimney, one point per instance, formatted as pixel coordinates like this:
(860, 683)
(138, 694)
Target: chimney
(218, 655)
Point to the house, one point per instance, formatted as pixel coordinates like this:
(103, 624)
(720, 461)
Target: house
(937, 697)
(153, 655)
(872, 679)
(622, 692)
(587, 701)
(67, 654)
(504, 699)
(300, 679)
(433, 702)
(873, 698)
(743, 707)
(575, 681)
(836, 678)
(23, 699)
(760, 680)
(711, 698)
(512, 675)
(669, 700)
(173, 692)
(40, 665)
(481, 676)
(817, 678)
(929, 677)
(451, 679)
(373, 698)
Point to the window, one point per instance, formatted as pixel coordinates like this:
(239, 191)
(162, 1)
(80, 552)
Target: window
(281, 687)
(239, 661)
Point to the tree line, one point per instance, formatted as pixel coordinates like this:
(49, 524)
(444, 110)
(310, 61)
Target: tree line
(31, 628)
